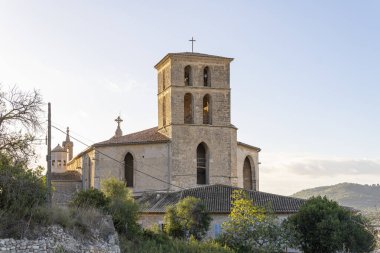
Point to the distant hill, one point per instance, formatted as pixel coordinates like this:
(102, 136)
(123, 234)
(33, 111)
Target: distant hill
(362, 197)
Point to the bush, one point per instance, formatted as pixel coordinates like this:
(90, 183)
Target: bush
(90, 198)
(321, 225)
(187, 218)
(21, 191)
(251, 228)
(151, 242)
(122, 207)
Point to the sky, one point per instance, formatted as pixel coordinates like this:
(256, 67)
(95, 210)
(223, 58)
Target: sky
(305, 76)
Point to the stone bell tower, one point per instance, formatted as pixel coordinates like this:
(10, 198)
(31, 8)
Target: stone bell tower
(194, 110)
(68, 145)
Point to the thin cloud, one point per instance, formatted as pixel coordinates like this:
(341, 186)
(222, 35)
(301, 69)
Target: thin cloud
(335, 167)
(319, 166)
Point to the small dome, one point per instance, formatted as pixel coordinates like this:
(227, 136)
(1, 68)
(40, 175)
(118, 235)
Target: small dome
(58, 148)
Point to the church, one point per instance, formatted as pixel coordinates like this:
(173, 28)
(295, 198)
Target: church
(193, 151)
(194, 144)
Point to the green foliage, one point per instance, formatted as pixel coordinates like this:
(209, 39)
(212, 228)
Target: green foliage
(150, 242)
(122, 207)
(322, 226)
(21, 191)
(90, 198)
(116, 189)
(187, 218)
(251, 228)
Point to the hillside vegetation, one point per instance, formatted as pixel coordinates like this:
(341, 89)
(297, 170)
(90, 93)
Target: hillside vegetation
(362, 197)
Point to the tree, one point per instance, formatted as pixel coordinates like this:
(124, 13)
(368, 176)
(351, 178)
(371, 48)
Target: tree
(19, 121)
(322, 226)
(90, 198)
(122, 207)
(251, 228)
(187, 218)
(21, 191)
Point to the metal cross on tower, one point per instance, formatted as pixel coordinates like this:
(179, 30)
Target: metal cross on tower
(118, 120)
(192, 44)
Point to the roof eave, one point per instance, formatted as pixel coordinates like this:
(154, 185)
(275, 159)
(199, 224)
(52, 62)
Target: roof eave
(129, 143)
(88, 149)
(188, 54)
(249, 146)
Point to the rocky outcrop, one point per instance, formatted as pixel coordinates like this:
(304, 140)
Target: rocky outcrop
(57, 240)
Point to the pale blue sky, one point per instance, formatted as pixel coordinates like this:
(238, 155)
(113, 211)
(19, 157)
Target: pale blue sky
(305, 79)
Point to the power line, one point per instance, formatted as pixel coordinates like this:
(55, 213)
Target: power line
(122, 163)
(73, 132)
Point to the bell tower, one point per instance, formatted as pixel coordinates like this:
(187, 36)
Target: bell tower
(193, 89)
(194, 108)
(68, 145)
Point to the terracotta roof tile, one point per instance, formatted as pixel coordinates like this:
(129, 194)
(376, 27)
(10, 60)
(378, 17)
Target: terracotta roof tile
(147, 136)
(217, 199)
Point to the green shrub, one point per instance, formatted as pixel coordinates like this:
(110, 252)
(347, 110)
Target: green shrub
(90, 198)
(187, 218)
(321, 225)
(122, 207)
(151, 242)
(21, 191)
(116, 189)
(251, 228)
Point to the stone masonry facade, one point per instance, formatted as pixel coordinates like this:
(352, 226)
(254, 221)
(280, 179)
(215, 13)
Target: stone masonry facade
(174, 163)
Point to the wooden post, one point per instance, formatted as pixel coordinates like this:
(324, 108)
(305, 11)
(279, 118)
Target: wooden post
(48, 158)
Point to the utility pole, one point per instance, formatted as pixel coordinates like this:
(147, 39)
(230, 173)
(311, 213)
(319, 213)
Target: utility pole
(48, 158)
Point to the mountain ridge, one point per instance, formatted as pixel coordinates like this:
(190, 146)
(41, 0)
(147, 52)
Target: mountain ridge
(358, 196)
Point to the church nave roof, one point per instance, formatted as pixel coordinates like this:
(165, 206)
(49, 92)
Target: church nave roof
(147, 136)
(217, 199)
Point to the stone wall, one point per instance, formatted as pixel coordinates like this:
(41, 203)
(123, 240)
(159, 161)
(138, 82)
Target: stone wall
(57, 240)
(244, 151)
(64, 191)
(220, 145)
(149, 159)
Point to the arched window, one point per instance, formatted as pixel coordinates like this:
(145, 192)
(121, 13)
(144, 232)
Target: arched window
(128, 169)
(206, 77)
(247, 175)
(206, 110)
(164, 111)
(202, 164)
(188, 108)
(188, 75)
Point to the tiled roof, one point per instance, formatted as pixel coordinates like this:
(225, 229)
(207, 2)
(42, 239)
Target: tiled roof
(66, 176)
(147, 136)
(58, 148)
(217, 199)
